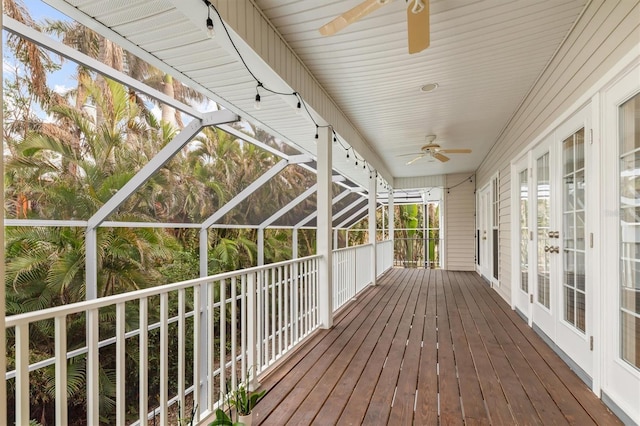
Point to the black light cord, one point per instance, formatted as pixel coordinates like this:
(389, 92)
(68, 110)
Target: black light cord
(301, 104)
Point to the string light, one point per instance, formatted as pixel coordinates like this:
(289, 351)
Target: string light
(300, 104)
(256, 104)
(210, 31)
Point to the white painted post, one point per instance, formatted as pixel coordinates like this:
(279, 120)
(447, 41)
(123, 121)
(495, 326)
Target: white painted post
(3, 340)
(61, 369)
(260, 246)
(202, 325)
(391, 226)
(323, 233)
(294, 244)
(372, 227)
(335, 239)
(252, 356)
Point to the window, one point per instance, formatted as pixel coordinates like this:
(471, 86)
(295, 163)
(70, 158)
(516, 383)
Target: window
(629, 119)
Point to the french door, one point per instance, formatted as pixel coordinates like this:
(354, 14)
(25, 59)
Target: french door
(552, 240)
(484, 231)
(620, 274)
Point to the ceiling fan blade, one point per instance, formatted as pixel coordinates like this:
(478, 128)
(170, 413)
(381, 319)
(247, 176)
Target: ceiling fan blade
(413, 154)
(418, 25)
(456, 151)
(440, 157)
(351, 16)
(415, 159)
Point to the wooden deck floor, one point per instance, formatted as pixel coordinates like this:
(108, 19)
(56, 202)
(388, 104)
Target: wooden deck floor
(425, 348)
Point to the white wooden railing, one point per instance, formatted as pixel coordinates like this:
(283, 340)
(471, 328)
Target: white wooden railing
(384, 256)
(351, 273)
(247, 320)
(352, 269)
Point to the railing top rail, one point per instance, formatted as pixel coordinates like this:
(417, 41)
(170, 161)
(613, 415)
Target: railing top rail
(353, 247)
(102, 302)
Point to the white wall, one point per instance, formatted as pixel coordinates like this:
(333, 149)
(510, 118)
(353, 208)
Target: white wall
(602, 36)
(459, 222)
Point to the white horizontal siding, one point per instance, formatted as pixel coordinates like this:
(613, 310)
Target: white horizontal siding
(459, 223)
(419, 182)
(605, 32)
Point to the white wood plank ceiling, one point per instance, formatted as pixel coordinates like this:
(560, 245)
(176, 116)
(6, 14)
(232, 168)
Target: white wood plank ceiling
(485, 55)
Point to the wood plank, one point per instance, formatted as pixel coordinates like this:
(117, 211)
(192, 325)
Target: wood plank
(518, 399)
(380, 404)
(542, 403)
(357, 406)
(427, 392)
(281, 382)
(470, 393)
(495, 400)
(450, 408)
(404, 400)
(493, 367)
(537, 351)
(323, 387)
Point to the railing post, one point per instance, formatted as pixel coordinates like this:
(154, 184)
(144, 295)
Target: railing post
(372, 227)
(251, 331)
(260, 246)
(323, 233)
(201, 327)
(391, 226)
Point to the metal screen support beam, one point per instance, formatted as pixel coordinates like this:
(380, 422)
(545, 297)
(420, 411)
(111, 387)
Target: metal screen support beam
(294, 244)
(338, 198)
(353, 216)
(240, 197)
(160, 159)
(323, 232)
(43, 40)
(300, 198)
(345, 210)
(373, 206)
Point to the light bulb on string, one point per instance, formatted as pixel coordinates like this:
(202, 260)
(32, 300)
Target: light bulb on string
(210, 30)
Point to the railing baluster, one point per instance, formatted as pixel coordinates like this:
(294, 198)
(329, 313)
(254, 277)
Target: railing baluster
(234, 333)
(164, 358)
(286, 331)
(22, 374)
(93, 367)
(181, 353)
(252, 329)
(197, 358)
(272, 312)
(121, 370)
(61, 369)
(222, 285)
(143, 339)
(259, 320)
(244, 323)
(211, 398)
(294, 303)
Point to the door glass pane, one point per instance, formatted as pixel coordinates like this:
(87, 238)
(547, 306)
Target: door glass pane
(629, 116)
(524, 231)
(542, 221)
(573, 230)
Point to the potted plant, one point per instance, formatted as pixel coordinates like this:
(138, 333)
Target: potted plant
(243, 401)
(222, 419)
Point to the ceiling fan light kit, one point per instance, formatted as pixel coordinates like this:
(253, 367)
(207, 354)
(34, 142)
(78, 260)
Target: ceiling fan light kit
(417, 21)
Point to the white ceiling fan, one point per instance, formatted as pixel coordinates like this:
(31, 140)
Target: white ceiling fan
(417, 21)
(433, 150)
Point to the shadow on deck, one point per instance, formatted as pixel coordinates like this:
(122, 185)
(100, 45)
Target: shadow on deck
(427, 347)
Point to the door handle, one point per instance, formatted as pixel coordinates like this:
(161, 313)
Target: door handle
(547, 249)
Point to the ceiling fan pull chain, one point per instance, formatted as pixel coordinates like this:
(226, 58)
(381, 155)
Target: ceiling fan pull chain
(418, 6)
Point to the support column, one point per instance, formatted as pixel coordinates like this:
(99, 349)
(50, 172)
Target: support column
(203, 332)
(294, 244)
(323, 233)
(93, 353)
(391, 214)
(3, 340)
(373, 184)
(260, 246)
(335, 239)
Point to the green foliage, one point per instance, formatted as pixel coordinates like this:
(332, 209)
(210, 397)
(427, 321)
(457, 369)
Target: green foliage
(243, 400)
(222, 419)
